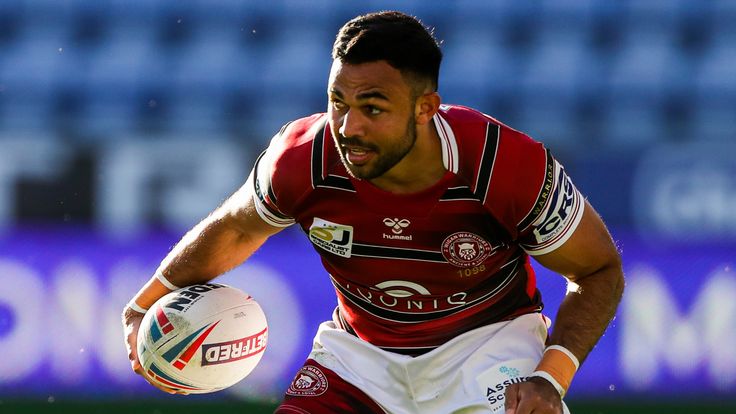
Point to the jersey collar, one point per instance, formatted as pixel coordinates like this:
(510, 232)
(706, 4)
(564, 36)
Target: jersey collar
(449, 144)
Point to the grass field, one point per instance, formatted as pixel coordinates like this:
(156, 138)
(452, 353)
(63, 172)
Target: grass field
(158, 407)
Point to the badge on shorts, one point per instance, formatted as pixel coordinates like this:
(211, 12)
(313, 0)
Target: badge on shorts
(310, 381)
(493, 381)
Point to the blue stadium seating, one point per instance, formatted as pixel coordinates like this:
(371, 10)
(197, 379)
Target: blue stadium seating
(570, 72)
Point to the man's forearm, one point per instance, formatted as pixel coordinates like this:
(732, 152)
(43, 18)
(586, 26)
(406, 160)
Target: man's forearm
(208, 250)
(217, 244)
(586, 312)
(211, 248)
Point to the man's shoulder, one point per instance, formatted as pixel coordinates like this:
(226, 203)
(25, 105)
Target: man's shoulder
(477, 131)
(299, 132)
(459, 116)
(292, 145)
(286, 167)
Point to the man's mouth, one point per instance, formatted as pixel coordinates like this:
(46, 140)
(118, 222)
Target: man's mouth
(358, 155)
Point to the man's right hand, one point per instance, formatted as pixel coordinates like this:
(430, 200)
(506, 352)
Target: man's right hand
(131, 321)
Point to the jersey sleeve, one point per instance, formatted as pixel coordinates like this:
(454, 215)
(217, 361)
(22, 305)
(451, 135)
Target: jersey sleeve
(535, 198)
(262, 178)
(555, 214)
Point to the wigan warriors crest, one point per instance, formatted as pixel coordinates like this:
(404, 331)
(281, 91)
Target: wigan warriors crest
(310, 381)
(465, 249)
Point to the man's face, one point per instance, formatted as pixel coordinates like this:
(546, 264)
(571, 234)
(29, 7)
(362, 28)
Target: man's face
(371, 113)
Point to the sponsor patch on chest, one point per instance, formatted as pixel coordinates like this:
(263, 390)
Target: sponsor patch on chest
(332, 237)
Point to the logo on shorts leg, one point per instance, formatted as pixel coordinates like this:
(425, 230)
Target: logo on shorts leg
(494, 381)
(310, 381)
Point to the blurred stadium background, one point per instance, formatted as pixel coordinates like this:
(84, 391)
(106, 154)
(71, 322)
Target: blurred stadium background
(122, 122)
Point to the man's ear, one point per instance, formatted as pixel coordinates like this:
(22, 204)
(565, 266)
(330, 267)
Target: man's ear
(426, 107)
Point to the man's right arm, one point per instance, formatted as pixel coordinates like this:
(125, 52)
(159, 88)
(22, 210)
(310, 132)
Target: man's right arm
(220, 242)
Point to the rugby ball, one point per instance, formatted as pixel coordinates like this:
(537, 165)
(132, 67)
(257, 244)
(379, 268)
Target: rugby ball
(202, 338)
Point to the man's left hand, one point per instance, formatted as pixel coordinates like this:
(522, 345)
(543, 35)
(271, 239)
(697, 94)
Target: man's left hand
(536, 395)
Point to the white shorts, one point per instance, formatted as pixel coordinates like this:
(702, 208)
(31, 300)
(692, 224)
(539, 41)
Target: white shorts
(466, 375)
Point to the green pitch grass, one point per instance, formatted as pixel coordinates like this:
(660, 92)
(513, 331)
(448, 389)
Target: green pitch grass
(163, 407)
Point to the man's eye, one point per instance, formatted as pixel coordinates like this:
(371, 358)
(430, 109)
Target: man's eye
(373, 110)
(338, 105)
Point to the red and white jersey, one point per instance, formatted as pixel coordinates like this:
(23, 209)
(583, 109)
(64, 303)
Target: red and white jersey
(413, 271)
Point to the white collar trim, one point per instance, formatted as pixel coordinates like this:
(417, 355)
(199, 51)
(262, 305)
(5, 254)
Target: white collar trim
(449, 144)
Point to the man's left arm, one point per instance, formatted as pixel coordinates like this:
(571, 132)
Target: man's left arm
(591, 263)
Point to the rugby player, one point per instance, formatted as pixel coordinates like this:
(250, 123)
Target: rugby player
(425, 216)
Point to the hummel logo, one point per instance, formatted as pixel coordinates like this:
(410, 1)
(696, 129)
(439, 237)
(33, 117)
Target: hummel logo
(397, 226)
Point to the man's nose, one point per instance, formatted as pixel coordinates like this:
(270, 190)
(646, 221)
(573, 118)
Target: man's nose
(351, 125)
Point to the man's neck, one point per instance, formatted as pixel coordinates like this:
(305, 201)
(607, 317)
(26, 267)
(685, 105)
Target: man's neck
(420, 169)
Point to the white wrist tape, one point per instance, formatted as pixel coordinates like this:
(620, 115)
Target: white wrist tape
(551, 379)
(567, 352)
(136, 307)
(161, 278)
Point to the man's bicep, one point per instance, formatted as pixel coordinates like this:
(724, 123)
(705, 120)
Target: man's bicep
(589, 249)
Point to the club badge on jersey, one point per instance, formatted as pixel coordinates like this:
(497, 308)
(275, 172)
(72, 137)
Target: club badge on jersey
(465, 249)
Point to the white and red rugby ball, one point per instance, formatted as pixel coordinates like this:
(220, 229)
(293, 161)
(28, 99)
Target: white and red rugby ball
(202, 338)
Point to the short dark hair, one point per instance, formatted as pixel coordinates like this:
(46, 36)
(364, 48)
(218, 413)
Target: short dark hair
(399, 39)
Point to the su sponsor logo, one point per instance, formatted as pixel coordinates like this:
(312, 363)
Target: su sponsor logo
(332, 237)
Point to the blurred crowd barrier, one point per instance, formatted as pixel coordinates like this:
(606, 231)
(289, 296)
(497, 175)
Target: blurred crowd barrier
(671, 193)
(60, 333)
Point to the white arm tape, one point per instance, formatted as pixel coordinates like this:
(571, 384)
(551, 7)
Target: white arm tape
(136, 307)
(567, 352)
(161, 278)
(550, 378)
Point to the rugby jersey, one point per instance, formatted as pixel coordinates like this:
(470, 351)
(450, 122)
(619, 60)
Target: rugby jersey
(412, 271)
